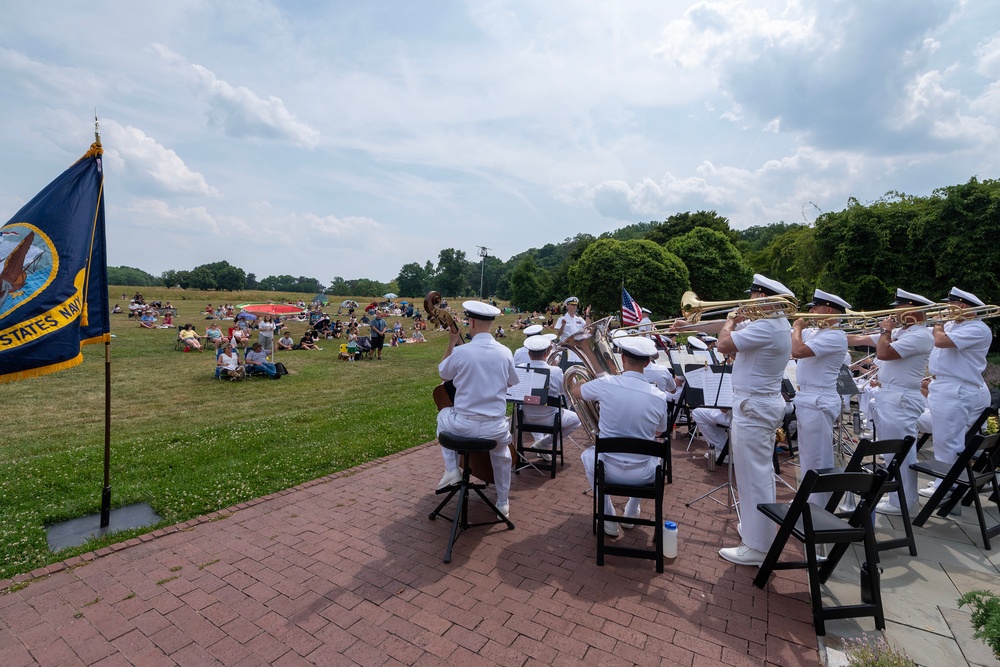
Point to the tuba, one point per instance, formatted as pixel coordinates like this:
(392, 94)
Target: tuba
(592, 344)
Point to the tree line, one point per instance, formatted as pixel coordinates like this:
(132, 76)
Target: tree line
(863, 252)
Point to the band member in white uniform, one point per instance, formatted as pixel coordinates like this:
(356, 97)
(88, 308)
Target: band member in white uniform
(570, 323)
(521, 353)
(820, 352)
(538, 348)
(630, 408)
(957, 394)
(903, 348)
(713, 423)
(482, 371)
(762, 348)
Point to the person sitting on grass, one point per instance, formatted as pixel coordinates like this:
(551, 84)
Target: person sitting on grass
(148, 320)
(306, 343)
(116, 310)
(228, 361)
(286, 342)
(190, 338)
(168, 321)
(418, 337)
(256, 360)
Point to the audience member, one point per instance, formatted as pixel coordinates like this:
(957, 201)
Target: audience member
(190, 338)
(256, 360)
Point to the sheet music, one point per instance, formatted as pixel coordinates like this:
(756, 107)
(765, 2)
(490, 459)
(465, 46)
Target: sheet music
(791, 368)
(532, 387)
(715, 382)
(681, 358)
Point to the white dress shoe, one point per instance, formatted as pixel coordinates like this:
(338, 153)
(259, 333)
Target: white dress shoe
(743, 555)
(887, 508)
(927, 491)
(504, 509)
(629, 526)
(611, 529)
(451, 477)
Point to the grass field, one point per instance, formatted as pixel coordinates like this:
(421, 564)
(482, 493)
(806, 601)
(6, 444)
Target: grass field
(188, 444)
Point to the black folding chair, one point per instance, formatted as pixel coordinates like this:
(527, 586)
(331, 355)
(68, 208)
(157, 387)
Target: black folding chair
(814, 525)
(898, 450)
(652, 490)
(973, 471)
(554, 429)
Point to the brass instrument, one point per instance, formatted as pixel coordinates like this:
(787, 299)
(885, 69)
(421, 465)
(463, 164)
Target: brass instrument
(593, 346)
(694, 310)
(953, 313)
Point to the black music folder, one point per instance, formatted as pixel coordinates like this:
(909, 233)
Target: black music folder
(715, 382)
(532, 387)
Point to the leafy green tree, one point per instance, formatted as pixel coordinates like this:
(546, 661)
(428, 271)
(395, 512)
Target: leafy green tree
(339, 287)
(653, 276)
(230, 278)
(127, 275)
(791, 257)
(451, 273)
(529, 285)
(680, 224)
(182, 278)
(251, 282)
(412, 280)
(717, 271)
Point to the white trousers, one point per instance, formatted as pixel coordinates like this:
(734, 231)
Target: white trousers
(755, 420)
(713, 424)
(954, 406)
(896, 415)
(642, 471)
(816, 414)
(570, 422)
(496, 429)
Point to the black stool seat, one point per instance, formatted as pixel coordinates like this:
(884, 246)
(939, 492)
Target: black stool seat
(460, 521)
(460, 443)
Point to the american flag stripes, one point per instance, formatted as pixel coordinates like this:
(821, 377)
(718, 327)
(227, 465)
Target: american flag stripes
(631, 312)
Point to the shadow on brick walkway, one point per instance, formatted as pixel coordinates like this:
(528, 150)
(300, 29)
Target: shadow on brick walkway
(348, 570)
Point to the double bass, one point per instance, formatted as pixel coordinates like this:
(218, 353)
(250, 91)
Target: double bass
(444, 393)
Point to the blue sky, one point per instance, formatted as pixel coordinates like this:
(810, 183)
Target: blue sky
(346, 139)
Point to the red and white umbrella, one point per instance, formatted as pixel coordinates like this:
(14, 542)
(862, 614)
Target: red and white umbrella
(270, 308)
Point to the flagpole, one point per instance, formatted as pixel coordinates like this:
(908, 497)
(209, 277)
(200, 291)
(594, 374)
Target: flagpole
(106, 490)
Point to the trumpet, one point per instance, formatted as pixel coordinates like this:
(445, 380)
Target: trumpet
(693, 311)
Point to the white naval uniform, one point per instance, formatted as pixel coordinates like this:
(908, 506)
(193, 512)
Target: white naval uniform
(541, 414)
(899, 403)
(763, 349)
(817, 403)
(521, 356)
(630, 408)
(958, 393)
(661, 377)
(713, 424)
(482, 371)
(573, 324)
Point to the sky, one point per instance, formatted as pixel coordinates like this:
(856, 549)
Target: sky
(326, 139)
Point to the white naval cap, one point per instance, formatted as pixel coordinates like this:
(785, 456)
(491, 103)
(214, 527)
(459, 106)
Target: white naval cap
(533, 330)
(821, 298)
(697, 343)
(767, 286)
(571, 299)
(967, 298)
(480, 310)
(646, 310)
(711, 339)
(637, 347)
(904, 298)
(537, 343)
(550, 336)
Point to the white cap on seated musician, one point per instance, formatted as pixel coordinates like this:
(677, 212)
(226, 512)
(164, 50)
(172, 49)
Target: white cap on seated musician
(537, 343)
(521, 353)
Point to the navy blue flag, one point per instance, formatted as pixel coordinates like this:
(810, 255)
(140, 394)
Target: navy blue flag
(54, 274)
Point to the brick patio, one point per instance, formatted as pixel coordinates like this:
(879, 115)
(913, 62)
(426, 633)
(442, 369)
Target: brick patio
(348, 570)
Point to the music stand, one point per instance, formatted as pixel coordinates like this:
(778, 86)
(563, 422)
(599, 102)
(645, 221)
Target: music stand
(716, 385)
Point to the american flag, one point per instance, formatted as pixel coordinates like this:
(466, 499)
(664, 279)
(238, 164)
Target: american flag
(631, 312)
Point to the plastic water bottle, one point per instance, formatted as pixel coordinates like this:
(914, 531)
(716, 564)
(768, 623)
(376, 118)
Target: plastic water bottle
(669, 539)
(711, 458)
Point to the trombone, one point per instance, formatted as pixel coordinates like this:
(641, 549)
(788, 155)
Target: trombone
(856, 321)
(693, 310)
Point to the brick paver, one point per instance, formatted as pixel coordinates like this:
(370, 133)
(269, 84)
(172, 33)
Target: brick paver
(347, 570)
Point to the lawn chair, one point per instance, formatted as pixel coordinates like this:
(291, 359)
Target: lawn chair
(364, 347)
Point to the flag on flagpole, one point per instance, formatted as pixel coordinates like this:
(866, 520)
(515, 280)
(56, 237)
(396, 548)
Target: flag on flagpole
(54, 274)
(631, 312)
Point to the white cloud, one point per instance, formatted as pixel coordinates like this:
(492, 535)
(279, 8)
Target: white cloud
(130, 149)
(241, 112)
(988, 57)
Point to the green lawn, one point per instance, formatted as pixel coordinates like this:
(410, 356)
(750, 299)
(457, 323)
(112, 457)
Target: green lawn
(188, 444)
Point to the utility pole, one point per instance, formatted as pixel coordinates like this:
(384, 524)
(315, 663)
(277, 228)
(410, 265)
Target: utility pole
(484, 252)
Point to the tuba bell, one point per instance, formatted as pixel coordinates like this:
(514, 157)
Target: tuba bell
(592, 344)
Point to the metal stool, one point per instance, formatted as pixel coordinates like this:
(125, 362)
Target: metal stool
(460, 522)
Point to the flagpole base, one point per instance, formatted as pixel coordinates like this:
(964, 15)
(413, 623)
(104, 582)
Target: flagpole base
(74, 532)
(105, 507)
